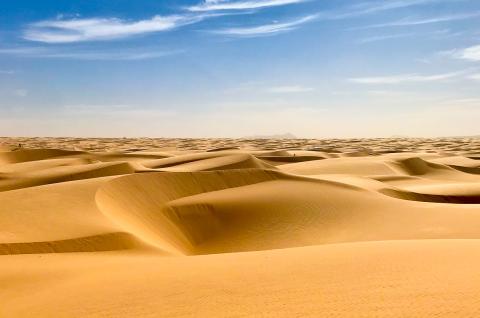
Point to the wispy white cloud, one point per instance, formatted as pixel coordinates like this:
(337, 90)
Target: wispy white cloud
(371, 7)
(440, 34)
(79, 54)
(406, 78)
(7, 72)
(376, 6)
(267, 29)
(376, 38)
(475, 77)
(109, 56)
(470, 53)
(422, 21)
(289, 89)
(216, 5)
(94, 29)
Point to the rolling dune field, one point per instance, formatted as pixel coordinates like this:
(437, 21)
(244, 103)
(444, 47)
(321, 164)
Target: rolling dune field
(239, 227)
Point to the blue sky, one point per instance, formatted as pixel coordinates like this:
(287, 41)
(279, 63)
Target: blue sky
(233, 68)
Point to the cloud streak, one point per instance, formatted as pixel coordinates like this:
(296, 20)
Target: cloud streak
(471, 53)
(266, 29)
(87, 55)
(376, 6)
(423, 21)
(354, 10)
(372, 7)
(216, 5)
(434, 34)
(406, 78)
(377, 38)
(96, 29)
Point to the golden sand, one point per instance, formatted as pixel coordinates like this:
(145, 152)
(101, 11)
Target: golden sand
(239, 228)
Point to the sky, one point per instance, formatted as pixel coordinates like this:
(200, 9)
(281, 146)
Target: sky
(236, 68)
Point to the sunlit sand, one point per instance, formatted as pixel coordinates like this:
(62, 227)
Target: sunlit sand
(239, 228)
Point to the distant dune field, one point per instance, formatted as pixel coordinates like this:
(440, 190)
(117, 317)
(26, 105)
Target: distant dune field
(239, 227)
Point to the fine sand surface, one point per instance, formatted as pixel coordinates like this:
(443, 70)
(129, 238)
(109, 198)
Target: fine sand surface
(239, 228)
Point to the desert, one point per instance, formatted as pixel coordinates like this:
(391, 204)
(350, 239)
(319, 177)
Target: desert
(239, 227)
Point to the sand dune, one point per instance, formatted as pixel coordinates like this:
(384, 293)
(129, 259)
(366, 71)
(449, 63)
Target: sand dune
(239, 228)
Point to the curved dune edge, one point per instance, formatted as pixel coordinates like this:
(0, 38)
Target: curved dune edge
(148, 205)
(208, 161)
(471, 170)
(434, 198)
(139, 203)
(33, 167)
(453, 193)
(24, 155)
(65, 174)
(96, 243)
(379, 166)
(417, 166)
(452, 183)
(254, 209)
